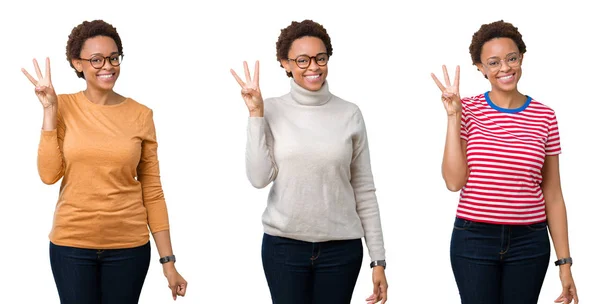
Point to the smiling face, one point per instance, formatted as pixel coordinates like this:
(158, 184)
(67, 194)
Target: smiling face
(313, 77)
(105, 77)
(501, 63)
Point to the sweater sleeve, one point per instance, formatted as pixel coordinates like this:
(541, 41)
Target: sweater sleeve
(364, 190)
(50, 160)
(148, 174)
(260, 164)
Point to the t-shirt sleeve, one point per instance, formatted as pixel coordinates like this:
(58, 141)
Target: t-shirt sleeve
(463, 121)
(553, 139)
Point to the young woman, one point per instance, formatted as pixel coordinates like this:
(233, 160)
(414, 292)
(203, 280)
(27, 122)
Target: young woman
(312, 146)
(103, 146)
(502, 153)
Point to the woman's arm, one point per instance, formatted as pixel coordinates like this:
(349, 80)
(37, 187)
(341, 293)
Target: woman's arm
(367, 207)
(50, 160)
(556, 211)
(260, 164)
(148, 173)
(454, 164)
(556, 214)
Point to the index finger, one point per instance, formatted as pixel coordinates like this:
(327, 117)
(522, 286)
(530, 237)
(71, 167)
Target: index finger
(247, 72)
(256, 67)
(439, 84)
(29, 77)
(237, 78)
(173, 292)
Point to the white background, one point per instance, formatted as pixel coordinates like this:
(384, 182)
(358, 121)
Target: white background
(177, 61)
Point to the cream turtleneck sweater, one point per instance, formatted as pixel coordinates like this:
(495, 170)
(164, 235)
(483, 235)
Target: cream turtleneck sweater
(313, 147)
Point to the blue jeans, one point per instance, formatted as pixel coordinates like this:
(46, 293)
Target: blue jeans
(311, 273)
(499, 264)
(90, 276)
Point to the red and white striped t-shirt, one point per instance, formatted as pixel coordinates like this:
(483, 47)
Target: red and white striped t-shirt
(506, 149)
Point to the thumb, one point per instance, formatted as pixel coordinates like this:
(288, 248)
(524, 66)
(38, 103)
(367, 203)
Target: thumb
(249, 91)
(41, 89)
(181, 289)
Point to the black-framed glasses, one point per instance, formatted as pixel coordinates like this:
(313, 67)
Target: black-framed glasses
(303, 61)
(98, 61)
(512, 60)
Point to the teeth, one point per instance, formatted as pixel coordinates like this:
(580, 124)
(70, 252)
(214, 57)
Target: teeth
(313, 76)
(506, 77)
(105, 76)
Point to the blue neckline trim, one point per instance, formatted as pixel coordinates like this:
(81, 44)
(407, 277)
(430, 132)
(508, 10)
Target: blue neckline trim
(503, 110)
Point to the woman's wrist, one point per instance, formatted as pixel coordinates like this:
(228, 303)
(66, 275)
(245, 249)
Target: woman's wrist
(168, 267)
(257, 112)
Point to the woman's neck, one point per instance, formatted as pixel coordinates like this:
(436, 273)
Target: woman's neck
(507, 100)
(102, 97)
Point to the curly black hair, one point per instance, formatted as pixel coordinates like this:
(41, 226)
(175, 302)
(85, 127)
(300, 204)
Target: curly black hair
(487, 32)
(298, 30)
(86, 30)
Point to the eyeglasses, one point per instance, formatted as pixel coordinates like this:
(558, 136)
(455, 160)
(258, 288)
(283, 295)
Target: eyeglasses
(512, 60)
(303, 61)
(97, 61)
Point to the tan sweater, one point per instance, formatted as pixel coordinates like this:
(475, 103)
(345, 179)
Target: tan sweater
(111, 190)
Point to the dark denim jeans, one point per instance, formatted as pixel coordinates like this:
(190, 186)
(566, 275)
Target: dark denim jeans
(90, 276)
(499, 264)
(311, 273)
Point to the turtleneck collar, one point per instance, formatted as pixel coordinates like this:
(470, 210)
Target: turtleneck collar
(310, 98)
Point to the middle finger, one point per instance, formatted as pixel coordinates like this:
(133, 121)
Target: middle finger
(446, 77)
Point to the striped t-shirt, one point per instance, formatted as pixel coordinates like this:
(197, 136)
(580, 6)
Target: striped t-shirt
(506, 149)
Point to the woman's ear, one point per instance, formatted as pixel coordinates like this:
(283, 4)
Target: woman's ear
(286, 65)
(77, 64)
(480, 69)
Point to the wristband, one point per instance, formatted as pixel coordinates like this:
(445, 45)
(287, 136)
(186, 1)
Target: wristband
(378, 263)
(568, 260)
(167, 259)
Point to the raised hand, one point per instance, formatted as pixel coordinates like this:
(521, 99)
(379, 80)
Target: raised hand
(450, 92)
(43, 86)
(250, 90)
